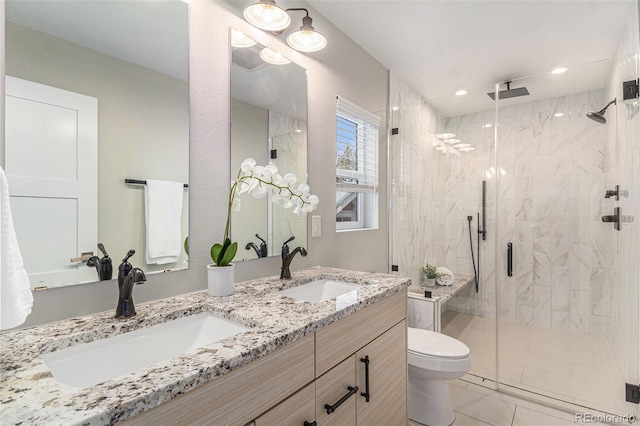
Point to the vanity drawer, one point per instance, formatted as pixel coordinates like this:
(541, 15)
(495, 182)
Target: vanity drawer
(344, 337)
(241, 395)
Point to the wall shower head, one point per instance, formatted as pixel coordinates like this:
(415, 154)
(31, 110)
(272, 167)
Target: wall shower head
(598, 116)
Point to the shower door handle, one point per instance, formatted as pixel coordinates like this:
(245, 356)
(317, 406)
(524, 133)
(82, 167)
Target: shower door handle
(509, 259)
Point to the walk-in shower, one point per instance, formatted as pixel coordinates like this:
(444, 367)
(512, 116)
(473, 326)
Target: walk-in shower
(556, 311)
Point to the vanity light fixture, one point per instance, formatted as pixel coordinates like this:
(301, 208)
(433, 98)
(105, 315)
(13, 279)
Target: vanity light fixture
(273, 57)
(268, 16)
(441, 148)
(467, 149)
(240, 39)
(462, 145)
(306, 39)
(452, 141)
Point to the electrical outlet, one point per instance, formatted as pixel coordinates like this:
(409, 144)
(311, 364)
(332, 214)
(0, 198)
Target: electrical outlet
(316, 226)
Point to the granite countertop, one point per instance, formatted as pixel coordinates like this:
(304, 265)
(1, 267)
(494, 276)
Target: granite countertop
(441, 293)
(30, 395)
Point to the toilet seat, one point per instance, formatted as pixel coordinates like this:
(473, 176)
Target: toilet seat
(429, 344)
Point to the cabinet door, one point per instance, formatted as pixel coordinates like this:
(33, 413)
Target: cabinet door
(332, 387)
(387, 358)
(295, 410)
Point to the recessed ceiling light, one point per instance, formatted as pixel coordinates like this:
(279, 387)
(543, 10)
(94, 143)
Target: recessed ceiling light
(558, 114)
(559, 70)
(467, 149)
(462, 145)
(452, 141)
(442, 136)
(461, 92)
(395, 108)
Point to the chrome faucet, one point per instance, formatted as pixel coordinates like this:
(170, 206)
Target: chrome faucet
(127, 277)
(287, 257)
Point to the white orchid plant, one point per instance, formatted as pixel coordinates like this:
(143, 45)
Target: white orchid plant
(260, 181)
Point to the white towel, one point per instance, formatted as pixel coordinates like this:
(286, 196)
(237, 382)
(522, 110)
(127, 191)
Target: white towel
(163, 214)
(16, 299)
(445, 277)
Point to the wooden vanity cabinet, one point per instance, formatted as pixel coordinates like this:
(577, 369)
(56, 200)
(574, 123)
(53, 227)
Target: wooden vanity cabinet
(282, 389)
(365, 341)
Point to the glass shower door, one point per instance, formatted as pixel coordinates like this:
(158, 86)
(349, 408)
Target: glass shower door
(567, 301)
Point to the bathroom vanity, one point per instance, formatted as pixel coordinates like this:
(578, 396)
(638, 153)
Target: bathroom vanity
(298, 361)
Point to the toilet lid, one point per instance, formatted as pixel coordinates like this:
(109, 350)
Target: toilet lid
(430, 343)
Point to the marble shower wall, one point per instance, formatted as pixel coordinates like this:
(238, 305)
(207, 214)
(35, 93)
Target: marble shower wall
(624, 327)
(553, 172)
(417, 181)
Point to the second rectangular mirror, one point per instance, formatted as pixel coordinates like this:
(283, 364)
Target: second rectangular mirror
(269, 124)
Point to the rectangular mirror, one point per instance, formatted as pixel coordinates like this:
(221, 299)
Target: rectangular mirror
(97, 104)
(269, 124)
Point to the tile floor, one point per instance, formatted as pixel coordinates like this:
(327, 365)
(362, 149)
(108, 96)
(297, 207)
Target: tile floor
(475, 405)
(571, 371)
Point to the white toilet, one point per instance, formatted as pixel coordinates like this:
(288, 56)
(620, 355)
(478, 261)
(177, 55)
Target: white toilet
(433, 359)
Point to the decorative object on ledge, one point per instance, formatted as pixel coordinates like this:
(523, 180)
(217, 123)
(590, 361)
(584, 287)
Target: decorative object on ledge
(431, 273)
(268, 16)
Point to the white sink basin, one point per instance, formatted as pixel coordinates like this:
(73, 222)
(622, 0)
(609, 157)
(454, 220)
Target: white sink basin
(321, 290)
(91, 363)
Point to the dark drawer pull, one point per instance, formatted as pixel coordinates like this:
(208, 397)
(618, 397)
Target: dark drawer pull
(331, 408)
(313, 423)
(366, 393)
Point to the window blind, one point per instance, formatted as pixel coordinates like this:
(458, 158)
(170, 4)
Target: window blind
(356, 148)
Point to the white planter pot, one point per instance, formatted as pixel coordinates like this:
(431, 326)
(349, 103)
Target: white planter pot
(220, 279)
(431, 282)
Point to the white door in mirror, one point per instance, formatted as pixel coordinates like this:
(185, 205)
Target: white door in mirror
(59, 185)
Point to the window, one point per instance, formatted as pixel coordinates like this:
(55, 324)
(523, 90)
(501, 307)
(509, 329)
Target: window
(356, 167)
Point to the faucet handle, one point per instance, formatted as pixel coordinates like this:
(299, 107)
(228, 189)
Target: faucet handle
(129, 254)
(289, 240)
(103, 250)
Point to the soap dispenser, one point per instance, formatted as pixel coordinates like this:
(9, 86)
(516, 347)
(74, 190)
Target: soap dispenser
(103, 266)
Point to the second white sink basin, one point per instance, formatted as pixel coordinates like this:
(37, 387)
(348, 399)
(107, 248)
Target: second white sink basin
(321, 290)
(88, 364)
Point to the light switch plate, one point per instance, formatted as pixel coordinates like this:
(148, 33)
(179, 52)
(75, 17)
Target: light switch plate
(316, 226)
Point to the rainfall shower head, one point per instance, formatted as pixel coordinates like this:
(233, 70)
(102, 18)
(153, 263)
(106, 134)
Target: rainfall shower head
(598, 116)
(509, 93)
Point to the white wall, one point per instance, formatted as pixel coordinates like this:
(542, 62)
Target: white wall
(342, 68)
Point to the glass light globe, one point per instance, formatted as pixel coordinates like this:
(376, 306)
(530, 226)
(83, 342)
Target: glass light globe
(266, 15)
(240, 39)
(307, 39)
(273, 57)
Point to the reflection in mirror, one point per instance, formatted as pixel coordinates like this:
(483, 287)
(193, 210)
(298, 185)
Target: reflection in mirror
(269, 124)
(97, 93)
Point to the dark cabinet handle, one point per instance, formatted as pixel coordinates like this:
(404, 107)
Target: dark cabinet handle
(366, 393)
(313, 423)
(509, 259)
(331, 408)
